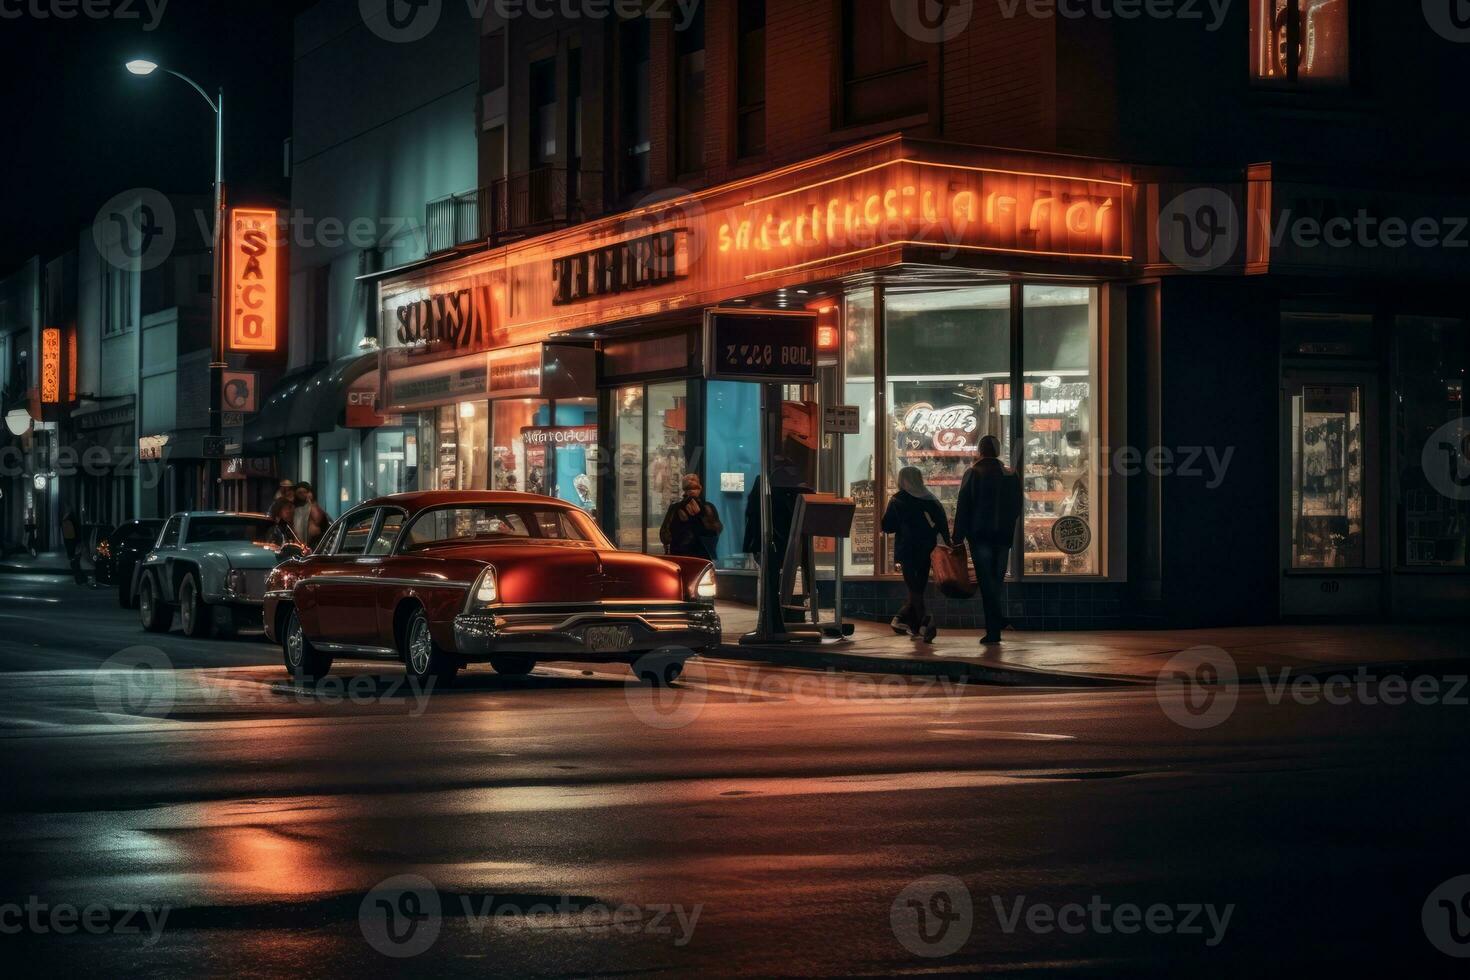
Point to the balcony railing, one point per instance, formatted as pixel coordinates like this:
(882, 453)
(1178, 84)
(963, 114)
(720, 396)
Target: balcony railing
(514, 207)
(452, 221)
(538, 200)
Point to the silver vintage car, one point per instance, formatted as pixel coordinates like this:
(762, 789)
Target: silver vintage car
(210, 566)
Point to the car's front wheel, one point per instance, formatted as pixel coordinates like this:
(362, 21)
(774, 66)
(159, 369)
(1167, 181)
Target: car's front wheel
(304, 662)
(422, 656)
(194, 613)
(155, 614)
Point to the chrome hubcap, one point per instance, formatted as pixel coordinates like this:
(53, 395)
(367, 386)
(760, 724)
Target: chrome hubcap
(419, 648)
(186, 608)
(294, 643)
(145, 601)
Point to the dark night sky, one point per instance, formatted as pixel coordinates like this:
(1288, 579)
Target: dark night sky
(78, 128)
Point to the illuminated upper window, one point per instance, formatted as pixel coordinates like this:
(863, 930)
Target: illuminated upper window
(1299, 42)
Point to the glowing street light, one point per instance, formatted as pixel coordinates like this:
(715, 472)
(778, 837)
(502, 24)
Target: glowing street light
(142, 66)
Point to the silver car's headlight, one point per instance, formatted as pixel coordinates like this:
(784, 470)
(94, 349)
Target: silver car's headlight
(235, 582)
(487, 589)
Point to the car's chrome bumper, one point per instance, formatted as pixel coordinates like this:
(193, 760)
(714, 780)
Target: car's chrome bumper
(561, 632)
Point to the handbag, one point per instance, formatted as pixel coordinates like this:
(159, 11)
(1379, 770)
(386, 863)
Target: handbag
(951, 568)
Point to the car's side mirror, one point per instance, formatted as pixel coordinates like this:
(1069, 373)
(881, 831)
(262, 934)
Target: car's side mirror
(292, 550)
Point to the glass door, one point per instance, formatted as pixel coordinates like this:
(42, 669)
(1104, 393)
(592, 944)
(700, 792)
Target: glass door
(1330, 498)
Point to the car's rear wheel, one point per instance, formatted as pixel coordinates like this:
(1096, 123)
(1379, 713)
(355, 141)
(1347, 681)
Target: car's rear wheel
(658, 671)
(304, 662)
(155, 614)
(422, 656)
(513, 666)
(195, 615)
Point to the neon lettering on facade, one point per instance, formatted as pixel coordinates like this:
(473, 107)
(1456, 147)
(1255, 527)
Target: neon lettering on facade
(911, 202)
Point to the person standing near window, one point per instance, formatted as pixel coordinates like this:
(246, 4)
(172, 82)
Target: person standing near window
(917, 521)
(692, 525)
(986, 513)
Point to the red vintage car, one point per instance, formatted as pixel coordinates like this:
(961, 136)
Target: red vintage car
(441, 579)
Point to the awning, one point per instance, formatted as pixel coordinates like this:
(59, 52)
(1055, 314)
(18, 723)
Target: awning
(307, 401)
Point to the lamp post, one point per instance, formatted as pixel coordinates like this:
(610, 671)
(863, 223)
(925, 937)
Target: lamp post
(141, 66)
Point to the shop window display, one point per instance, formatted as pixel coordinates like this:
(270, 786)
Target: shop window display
(948, 361)
(516, 463)
(628, 468)
(859, 465)
(732, 446)
(1327, 477)
(1059, 473)
(667, 421)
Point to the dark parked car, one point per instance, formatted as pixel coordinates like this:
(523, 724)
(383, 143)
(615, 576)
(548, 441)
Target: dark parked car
(118, 551)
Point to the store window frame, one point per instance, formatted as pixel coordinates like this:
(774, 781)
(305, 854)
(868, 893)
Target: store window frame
(607, 420)
(1101, 371)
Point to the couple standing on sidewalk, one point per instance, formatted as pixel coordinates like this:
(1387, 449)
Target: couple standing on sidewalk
(985, 518)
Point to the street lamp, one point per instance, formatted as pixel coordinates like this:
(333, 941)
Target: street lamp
(143, 67)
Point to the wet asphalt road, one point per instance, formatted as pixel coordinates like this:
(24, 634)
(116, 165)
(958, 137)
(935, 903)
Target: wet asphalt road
(204, 818)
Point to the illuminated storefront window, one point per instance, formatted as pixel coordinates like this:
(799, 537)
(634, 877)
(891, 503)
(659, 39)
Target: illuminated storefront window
(948, 376)
(859, 462)
(948, 358)
(1300, 41)
(1058, 430)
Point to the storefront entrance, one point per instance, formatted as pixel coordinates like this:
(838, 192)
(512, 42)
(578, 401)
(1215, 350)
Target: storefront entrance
(1331, 535)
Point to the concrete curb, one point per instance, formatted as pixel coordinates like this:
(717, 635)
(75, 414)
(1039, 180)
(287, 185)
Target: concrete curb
(44, 570)
(815, 657)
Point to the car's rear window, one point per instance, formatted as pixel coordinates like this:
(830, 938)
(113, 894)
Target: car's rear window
(206, 529)
(498, 522)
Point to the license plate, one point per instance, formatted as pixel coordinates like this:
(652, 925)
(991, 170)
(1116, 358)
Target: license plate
(607, 639)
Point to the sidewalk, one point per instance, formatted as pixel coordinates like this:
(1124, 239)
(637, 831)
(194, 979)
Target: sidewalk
(1115, 657)
(46, 563)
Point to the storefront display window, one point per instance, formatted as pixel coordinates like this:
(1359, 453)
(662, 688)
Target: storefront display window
(394, 461)
(667, 423)
(470, 447)
(859, 463)
(516, 463)
(1432, 508)
(1327, 477)
(628, 468)
(572, 442)
(948, 363)
(732, 446)
(1060, 473)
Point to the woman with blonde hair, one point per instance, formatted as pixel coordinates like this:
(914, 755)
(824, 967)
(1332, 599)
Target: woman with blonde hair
(917, 521)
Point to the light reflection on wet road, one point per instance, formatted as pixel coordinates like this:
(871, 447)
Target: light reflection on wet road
(756, 821)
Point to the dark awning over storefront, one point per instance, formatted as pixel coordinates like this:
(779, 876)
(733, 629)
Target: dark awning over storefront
(306, 401)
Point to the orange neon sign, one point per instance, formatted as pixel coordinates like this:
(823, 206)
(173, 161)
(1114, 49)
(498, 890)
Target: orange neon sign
(50, 365)
(913, 202)
(252, 321)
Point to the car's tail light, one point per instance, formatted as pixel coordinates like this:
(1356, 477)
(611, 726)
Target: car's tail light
(704, 586)
(104, 550)
(487, 588)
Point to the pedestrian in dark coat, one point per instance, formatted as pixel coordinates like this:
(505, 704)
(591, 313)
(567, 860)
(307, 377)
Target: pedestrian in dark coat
(989, 505)
(692, 525)
(917, 521)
